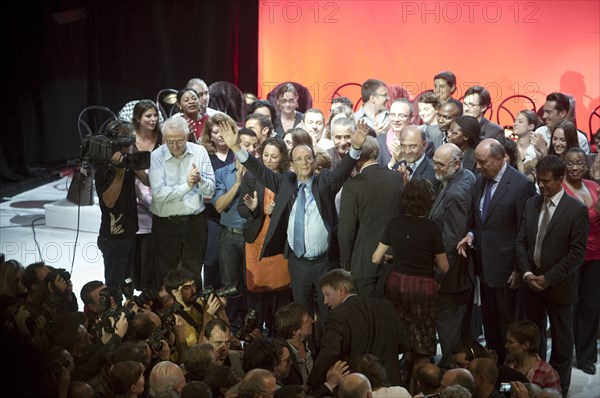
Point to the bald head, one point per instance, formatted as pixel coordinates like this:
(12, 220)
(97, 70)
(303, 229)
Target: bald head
(446, 162)
(412, 143)
(428, 378)
(355, 385)
(459, 376)
(490, 157)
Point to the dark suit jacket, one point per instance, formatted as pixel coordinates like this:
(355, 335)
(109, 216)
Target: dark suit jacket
(452, 211)
(254, 219)
(369, 201)
(490, 129)
(335, 158)
(424, 171)
(356, 327)
(468, 160)
(563, 247)
(295, 375)
(324, 188)
(495, 235)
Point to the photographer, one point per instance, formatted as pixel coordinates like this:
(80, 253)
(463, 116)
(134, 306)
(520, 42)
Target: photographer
(115, 185)
(195, 312)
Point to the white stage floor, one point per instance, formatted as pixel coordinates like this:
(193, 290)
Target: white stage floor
(55, 233)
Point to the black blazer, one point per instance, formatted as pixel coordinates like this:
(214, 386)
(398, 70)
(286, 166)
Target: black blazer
(495, 235)
(356, 327)
(285, 186)
(452, 211)
(490, 129)
(563, 248)
(369, 201)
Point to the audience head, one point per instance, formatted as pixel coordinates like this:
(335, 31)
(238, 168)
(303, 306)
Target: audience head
(256, 383)
(444, 85)
(336, 285)
(375, 92)
(211, 137)
(340, 101)
(401, 113)
(555, 109)
(465, 351)
(175, 131)
(448, 112)
(145, 323)
(369, 152)
(284, 365)
(456, 391)
(428, 106)
(198, 360)
(179, 283)
(90, 295)
(314, 124)
(465, 132)
(196, 389)
(336, 113)
(188, 102)
(490, 156)
(522, 340)
(476, 101)
(293, 320)
(323, 160)
(355, 385)
(510, 148)
(35, 278)
(79, 389)
(261, 353)
(447, 162)
(261, 125)
(417, 197)
(11, 272)
(201, 91)
(220, 379)
(263, 107)
(133, 350)
(458, 376)
(247, 140)
(287, 98)
(564, 137)
(341, 135)
(127, 379)
(369, 366)
(218, 333)
(525, 122)
(274, 154)
(145, 115)
(485, 373)
(428, 377)
(550, 172)
(166, 376)
(413, 142)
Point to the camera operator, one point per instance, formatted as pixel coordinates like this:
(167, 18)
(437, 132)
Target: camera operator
(90, 296)
(115, 185)
(196, 312)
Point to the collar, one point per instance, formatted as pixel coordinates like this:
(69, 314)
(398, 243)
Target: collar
(501, 173)
(169, 155)
(557, 197)
(418, 162)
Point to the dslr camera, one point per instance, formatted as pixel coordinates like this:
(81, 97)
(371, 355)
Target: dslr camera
(106, 312)
(148, 296)
(229, 291)
(250, 323)
(160, 333)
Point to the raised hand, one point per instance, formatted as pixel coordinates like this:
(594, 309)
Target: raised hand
(229, 136)
(360, 134)
(193, 176)
(251, 201)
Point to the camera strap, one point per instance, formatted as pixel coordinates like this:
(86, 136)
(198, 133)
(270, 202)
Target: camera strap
(188, 318)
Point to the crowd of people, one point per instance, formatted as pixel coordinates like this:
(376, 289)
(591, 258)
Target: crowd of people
(291, 254)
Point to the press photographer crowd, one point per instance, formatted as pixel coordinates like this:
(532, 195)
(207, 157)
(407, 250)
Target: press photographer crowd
(286, 254)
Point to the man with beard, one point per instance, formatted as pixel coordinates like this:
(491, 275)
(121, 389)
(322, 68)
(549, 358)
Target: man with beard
(452, 210)
(447, 114)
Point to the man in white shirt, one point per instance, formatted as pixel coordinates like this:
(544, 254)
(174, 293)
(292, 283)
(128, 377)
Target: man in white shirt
(556, 109)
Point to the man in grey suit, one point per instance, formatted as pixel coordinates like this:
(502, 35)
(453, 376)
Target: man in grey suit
(499, 198)
(452, 210)
(368, 202)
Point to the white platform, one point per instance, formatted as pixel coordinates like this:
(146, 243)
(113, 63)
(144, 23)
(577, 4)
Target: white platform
(64, 214)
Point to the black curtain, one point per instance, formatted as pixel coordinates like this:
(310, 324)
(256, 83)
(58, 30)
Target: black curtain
(65, 55)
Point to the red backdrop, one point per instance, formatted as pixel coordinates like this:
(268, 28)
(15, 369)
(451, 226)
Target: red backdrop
(509, 47)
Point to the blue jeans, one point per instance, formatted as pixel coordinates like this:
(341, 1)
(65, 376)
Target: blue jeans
(118, 259)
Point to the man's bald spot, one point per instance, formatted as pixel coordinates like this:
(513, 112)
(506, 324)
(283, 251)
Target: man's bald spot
(448, 151)
(411, 130)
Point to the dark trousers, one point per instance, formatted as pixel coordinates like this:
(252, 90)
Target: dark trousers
(497, 312)
(143, 271)
(267, 304)
(587, 313)
(211, 257)
(452, 318)
(232, 268)
(561, 329)
(118, 259)
(179, 240)
(305, 278)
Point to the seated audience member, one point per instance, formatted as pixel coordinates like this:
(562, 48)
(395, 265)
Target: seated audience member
(428, 105)
(444, 85)
(369, 366)
(374, 95)
(461, 377)
(127, 379)
(261, 125)
(264, 107)
(179, 283)
(465, 133)
(314, 124)
(355, 385)
(257, 383)
(485, 373)
(218, 333)
(198, 360)
(456, 391)
(476, 102)
(339, 101)
(220, 379)
(196, 389)
(427, 378)
(11, 272)
(287, 102)
(166, 376)
(522, 345)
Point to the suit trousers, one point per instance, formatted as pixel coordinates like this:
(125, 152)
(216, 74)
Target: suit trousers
(452, 311)
(497, 311)
(561, 329)
(305, 276)
(587, 313)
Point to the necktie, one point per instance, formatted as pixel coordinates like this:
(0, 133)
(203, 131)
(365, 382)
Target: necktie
(542, 231)
(299, 222)
(487, 197)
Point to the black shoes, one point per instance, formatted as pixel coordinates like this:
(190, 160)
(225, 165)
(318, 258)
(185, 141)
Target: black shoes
(588, 368)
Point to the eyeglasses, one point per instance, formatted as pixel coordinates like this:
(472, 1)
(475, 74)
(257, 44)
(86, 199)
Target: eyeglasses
(440, 165)
(173, 142)
(288, 101)
(470, 104)
(454, 132)
(580, 165)
(381, 95)
(306, 159)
